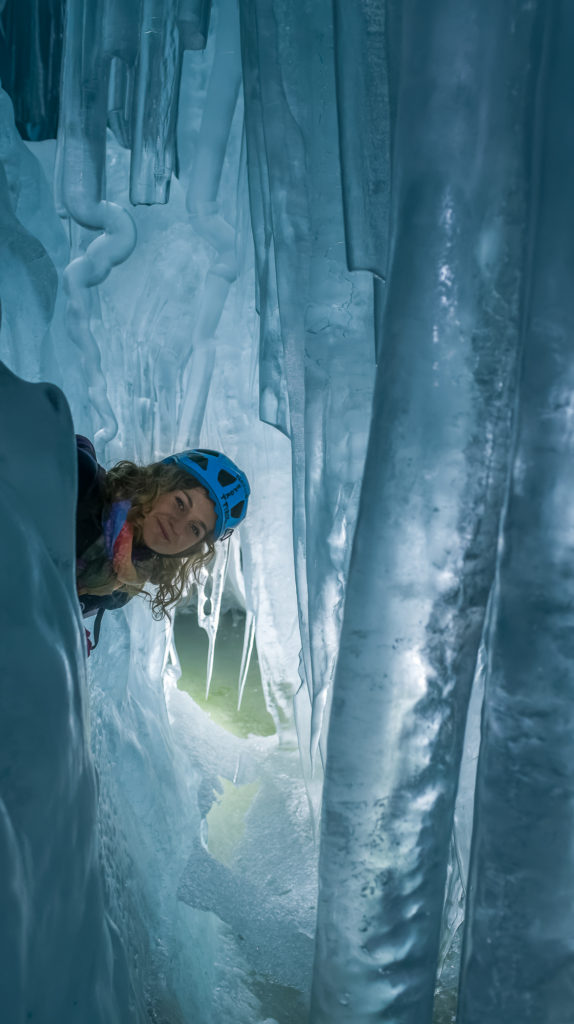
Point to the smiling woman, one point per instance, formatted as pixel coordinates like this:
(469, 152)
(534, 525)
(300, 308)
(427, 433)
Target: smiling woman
(156, 524)
(177, 520)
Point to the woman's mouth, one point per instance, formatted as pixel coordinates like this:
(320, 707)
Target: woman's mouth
(163, 530)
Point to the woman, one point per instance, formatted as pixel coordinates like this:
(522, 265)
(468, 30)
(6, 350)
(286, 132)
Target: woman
(150, 524)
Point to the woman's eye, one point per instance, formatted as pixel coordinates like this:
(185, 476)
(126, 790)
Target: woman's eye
(180, 504)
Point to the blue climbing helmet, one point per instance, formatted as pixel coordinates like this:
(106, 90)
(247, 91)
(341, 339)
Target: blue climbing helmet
(226, 485)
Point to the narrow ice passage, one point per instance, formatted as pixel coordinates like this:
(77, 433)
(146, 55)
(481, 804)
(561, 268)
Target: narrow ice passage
(334, 241)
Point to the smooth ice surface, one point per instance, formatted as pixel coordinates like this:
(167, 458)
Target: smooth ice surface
(61, 956)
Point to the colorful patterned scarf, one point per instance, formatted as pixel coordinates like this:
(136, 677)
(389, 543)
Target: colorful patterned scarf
(108, 564)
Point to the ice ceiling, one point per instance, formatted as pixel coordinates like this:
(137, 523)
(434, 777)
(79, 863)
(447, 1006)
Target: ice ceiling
(335, 240)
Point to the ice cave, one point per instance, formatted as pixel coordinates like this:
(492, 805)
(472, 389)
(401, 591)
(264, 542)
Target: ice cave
(335, 240)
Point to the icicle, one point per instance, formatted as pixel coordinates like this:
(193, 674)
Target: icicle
(365, 125)
(248, 638)
(120, 100)
(209, 596)
(207, 220)
(155, 103)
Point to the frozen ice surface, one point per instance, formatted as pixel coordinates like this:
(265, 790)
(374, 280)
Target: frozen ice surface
(252, 200)
(521, 872)
(61, 956)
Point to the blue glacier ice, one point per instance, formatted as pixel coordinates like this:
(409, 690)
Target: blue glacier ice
(334, 240)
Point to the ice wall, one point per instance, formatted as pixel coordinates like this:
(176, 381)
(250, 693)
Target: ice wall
(61, 955)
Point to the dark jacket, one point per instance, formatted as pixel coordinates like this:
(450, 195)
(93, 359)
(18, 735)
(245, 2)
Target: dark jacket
(91, 478)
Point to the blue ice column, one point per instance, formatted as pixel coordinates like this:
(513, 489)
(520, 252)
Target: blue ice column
(425, 546)
(316, 364)
(518, 965)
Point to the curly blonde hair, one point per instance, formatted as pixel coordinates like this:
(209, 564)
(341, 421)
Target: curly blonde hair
(143, 485)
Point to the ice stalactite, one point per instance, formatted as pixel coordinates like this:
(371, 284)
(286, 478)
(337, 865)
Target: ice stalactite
(315, 318)
(158, 71)
(366, 106)
(425, 547)
(363, 103)
(248, 641)
(209, 598)
(270, 593)
(518, 962)
(80, 188)
(209, 223)
(150, 86)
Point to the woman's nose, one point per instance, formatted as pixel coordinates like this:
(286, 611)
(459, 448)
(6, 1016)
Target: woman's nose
(181, 522)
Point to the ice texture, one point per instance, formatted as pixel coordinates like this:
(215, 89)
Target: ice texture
(433, 490)
(30, 59)
(324, 238)
(316, 328)
(61, 956)
(521, 873)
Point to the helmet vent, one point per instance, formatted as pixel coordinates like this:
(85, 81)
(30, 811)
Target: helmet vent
(237, 510)
(225, 478)
(200, 460)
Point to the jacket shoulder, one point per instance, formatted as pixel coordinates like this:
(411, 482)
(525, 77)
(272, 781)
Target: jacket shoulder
(91, 479)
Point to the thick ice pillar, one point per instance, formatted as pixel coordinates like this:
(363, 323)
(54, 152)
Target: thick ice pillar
(518, 965)
(158, 72)
(425, 546)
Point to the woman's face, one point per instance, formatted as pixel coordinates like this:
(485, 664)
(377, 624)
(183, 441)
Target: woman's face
(178, 520)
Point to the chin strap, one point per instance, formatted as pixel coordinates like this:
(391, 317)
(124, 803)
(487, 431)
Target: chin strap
(97, 627)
